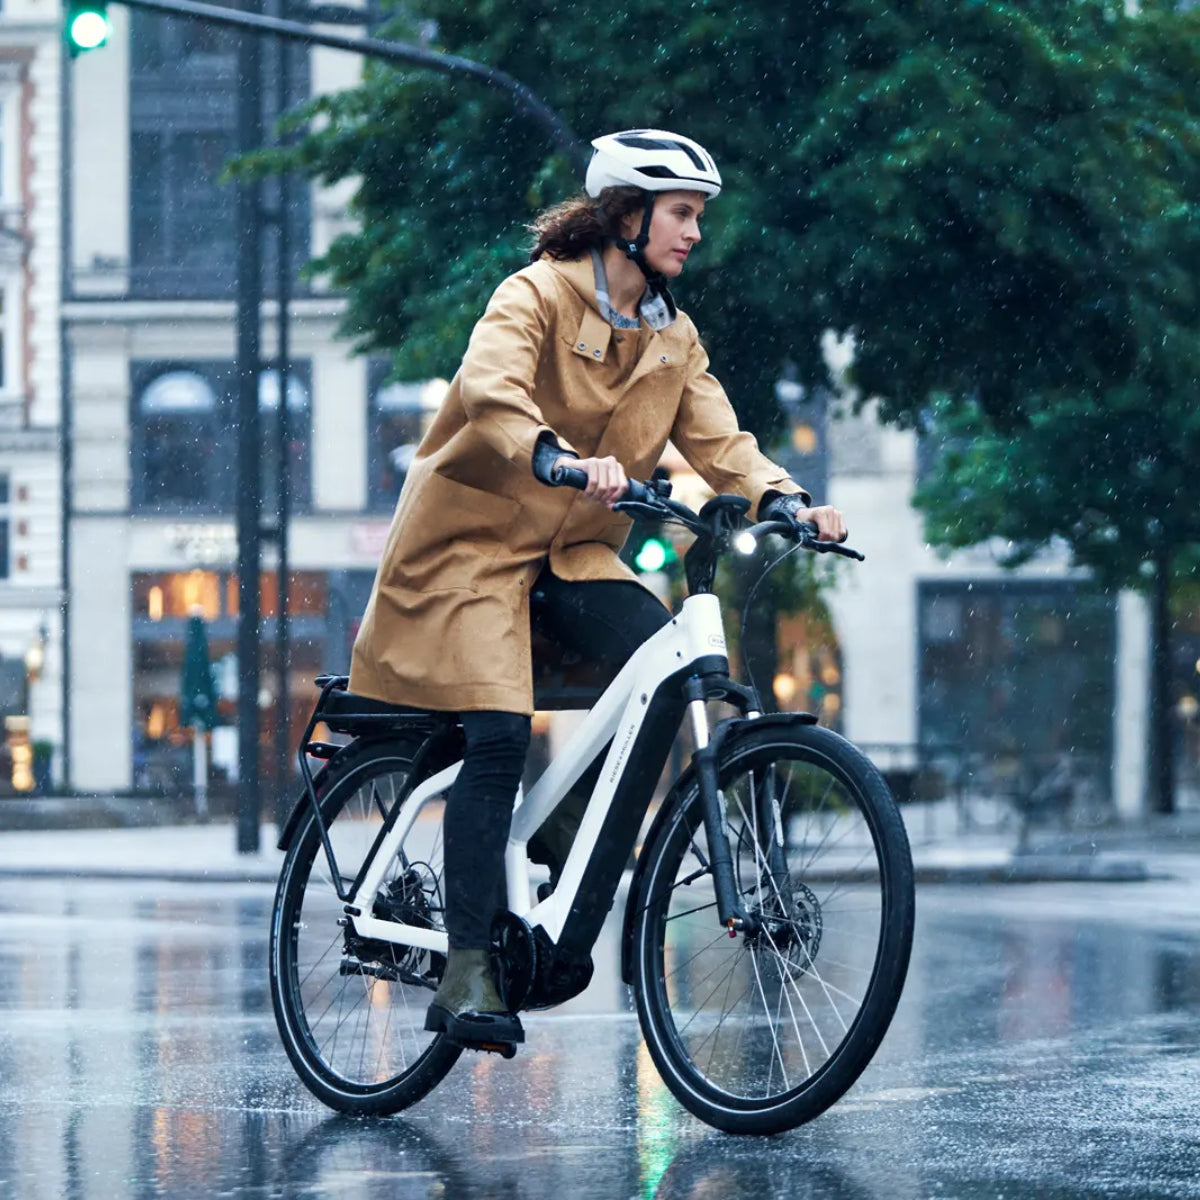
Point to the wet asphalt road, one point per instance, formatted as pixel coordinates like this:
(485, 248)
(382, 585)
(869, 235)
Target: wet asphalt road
(1048, 1045)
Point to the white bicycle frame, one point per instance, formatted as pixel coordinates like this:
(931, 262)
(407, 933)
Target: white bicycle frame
(697, 632)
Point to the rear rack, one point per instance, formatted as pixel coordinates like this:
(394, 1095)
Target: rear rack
(361, 715)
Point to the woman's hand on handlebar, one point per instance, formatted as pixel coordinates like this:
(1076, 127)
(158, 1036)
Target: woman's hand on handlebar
(607, 481)
(831, 525)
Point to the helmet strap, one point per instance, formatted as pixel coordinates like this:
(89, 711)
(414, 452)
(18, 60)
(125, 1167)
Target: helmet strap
(635, 250)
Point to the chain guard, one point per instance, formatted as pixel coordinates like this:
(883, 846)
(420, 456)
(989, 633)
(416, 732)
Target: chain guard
(530, 971)
(514, 954)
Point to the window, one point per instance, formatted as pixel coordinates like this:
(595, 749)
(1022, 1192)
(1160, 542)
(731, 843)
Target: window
(183, 123)
(5, 522)
(400, 413)
(184, 437)
(183, 234)
(177, 435)
(297, 449)
(1014, 669)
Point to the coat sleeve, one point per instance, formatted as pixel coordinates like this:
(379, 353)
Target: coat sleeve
(499, 368)
(706, 433)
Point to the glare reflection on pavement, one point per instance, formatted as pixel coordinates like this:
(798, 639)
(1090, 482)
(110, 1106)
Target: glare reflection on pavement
(1046, 1045)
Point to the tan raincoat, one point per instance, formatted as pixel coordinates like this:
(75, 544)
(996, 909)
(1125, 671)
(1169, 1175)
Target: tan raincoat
(447, 625)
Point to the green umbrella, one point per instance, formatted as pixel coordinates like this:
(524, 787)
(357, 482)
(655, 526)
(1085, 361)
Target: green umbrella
(198, 705)
(198, 690)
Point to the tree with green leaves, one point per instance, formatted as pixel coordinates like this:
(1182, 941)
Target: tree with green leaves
(998, 198)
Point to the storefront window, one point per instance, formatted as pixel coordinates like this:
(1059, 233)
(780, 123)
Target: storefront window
(1018, 672)
(177, 595)
(162, 602)
(400, 413)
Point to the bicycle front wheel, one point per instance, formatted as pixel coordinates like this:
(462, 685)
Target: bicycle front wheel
(350, 1009)
(763, 1031)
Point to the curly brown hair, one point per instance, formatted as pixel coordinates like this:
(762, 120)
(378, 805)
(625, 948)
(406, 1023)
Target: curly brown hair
(572, 228)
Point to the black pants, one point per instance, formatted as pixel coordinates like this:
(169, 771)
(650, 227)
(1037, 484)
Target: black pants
(603, 621)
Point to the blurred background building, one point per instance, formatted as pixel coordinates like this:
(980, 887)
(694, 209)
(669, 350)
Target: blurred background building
(117, 474)
(30, 481)
(149, 335)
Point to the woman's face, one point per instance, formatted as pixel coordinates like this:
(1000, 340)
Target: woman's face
(674, 230)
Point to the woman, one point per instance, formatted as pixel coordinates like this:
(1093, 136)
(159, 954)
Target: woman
(582, 357)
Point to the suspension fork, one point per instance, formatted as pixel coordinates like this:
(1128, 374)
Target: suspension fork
(770, 821)
(712, 802)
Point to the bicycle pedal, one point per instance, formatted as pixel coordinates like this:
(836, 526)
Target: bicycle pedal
(504, 1049)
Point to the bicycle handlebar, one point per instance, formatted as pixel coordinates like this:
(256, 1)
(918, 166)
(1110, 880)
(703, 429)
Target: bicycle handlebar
(655, 494)
(804, 532)
(572, 477)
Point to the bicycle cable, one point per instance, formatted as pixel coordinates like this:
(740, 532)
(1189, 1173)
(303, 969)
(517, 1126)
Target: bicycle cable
(746, 610)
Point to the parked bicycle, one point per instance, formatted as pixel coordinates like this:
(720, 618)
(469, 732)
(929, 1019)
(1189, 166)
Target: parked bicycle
(769, 919)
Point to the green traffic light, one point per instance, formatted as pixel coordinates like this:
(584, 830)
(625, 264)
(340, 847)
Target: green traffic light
(652, 556)
(87, 28)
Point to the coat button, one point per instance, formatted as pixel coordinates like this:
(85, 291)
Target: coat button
(663, 359)
(596, 353)
(583, 345)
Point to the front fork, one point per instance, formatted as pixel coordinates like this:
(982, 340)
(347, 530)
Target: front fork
(732, 915)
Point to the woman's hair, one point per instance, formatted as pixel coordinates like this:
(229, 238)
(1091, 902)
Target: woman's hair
(572, 228)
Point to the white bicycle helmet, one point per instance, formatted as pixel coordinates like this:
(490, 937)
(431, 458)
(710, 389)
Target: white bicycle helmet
(653, 160)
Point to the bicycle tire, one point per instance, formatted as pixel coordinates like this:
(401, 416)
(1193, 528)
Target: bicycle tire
(381, 991)
(814, 965)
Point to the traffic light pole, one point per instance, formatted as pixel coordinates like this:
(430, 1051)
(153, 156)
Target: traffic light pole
(249, 450)
(406, 53)
(283, 292)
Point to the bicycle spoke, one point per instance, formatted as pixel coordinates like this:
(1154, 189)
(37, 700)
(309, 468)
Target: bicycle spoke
(363, 1024)
(758, 1016)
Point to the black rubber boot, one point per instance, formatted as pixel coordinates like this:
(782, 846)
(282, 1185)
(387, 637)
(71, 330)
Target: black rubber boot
(468, 1009)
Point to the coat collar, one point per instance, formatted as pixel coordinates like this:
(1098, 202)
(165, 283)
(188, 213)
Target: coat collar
(591, 341)
(595, 332)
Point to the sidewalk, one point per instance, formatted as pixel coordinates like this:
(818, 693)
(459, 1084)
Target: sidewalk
(207, 853)
(188, 853)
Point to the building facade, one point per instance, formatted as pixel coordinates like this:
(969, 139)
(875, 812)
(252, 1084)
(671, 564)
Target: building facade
(30, 388)
(149, 337)
(914, 657)
(1003, 679)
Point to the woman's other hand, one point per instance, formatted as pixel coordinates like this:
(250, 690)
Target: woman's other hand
(607, 481)
(831, 525)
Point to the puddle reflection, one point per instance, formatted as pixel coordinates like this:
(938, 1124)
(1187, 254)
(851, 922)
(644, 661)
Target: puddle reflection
(139, 1058)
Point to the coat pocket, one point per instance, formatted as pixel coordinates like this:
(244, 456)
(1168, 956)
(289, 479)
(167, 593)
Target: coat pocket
(448, 534)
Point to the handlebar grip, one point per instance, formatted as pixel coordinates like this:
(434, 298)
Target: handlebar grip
(572, 477)
(569, 477)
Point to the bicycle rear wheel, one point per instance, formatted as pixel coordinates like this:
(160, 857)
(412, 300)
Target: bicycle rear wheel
(763, 1031)
(351, 1010)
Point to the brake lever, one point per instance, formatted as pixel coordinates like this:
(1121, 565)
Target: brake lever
(833, 548)
(806, 537)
